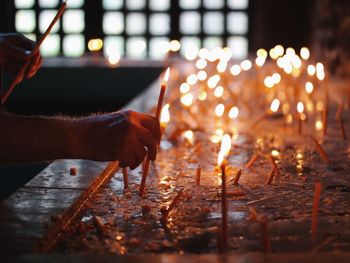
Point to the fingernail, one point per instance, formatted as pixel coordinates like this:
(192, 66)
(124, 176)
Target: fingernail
(27, 52)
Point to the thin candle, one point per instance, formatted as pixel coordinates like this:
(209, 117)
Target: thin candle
(198, 175)
(224, 227)
(315, 206)
(300, 109)
(321, 151)
(271, 176)
(237, 177)
(252, 161)
(172, 206)
(125, 177)
(159, 107)
(274, 165)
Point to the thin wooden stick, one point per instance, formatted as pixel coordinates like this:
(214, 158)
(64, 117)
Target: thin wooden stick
(321, 151)
(342, 128)
(34, 51)
(274, 165)
(325, 121)
(315, 206)
(237, 177)
(339, 111)
(125, 177)
(252, 161)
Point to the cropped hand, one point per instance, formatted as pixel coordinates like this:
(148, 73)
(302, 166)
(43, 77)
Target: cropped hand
(15, 50)
(126, 136)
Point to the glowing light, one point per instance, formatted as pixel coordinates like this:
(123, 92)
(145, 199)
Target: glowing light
(289, 118)
(220, 158)
(233, 113)
(319, 106)
(311, 70)
(281, 62)
(113, 58)
(213, 81)
(261, 53)
(192, 79)
(296, 61)
(305, 53)
(319, 67)
(219, 110)
(290, 52)
(188, 136)
(246, 65)
(202, 75)
(275, 153)
(95, 44)
(235, 70)
(187, 99)
(285, 108)
(300, 107)
(269, 82)
(218, 91)
(165, 115)
(275, 104)
(226, 144)
(276, 78)
(221, 67)
(166, 75)
(201, 63)
(319, 125)
(202, 95)
(288, 68)
(320, 74)
(174, 45)
(260, 61)
(279, 50)
(203, 53)
(185, 87)
(309, 87)
(273, 53)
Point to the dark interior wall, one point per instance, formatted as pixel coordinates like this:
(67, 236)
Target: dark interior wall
(285, 22)
(79, 90)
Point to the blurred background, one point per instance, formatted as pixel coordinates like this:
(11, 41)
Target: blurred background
(103, 53)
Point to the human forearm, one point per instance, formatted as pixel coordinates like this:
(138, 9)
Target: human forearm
(29, 139)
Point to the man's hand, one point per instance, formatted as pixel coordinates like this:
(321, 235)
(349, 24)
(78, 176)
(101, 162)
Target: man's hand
(126, 136)
(15, 50)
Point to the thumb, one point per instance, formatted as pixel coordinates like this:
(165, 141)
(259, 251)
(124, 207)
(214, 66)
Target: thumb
(17, 52)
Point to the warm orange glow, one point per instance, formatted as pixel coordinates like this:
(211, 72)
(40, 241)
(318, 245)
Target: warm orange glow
(219, 110)
(113, 59)
(276, 78)
(275, 104)
(166, 75)
(187, 99)
(309, 87)
(305, 53)
(225, 147)
(201, 63)
(275, 153)
(278, 50)
(260, 61)
(219, 90)
(184, 88)
(220, 158)
(95, 44)
(233, 113)
(300, 107)
(192, 79)
(235, 70)
(221, 67)
(269, 82)
(202, 75)
(261, 53)
(311, 70)
(202, 95)
(174, 45)
(246, 65)
(165, 115)
(213, 81)
(319, 125)
(188, 136)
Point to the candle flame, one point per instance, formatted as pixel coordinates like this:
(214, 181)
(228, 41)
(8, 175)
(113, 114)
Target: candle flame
(165, 115)
(187, 99)
(185, 87)
(233, 113)
(219, 90)
(235, 70)
(189, 136)
(305, 53)
(300, 107)
(166, 75)
(220, 158)
(319, 125)
(225, 144)
(219, 110)
(275, 104)
(311, 70)
(309, 87)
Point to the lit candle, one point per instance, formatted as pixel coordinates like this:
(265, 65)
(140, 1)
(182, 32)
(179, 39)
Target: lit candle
(164, 117)
(315, 206)
(300, 109)
(274, 165)
(224, 226)
(159, 106)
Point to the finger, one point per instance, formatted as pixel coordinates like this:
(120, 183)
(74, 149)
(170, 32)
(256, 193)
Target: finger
(147, 139)
(152, 124)
(34, 66)
(139, 155)
(20, 40)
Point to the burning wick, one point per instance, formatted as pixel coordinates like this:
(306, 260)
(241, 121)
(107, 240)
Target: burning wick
(125, 177)
(159, 106)
(164, 117)
(315, 207)
(271, 176)
(321, 151)
(238, 175)
(274, 165)
(224, 226)
(198, 175)
(300, 109)
(165, 213)
(252, 161)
